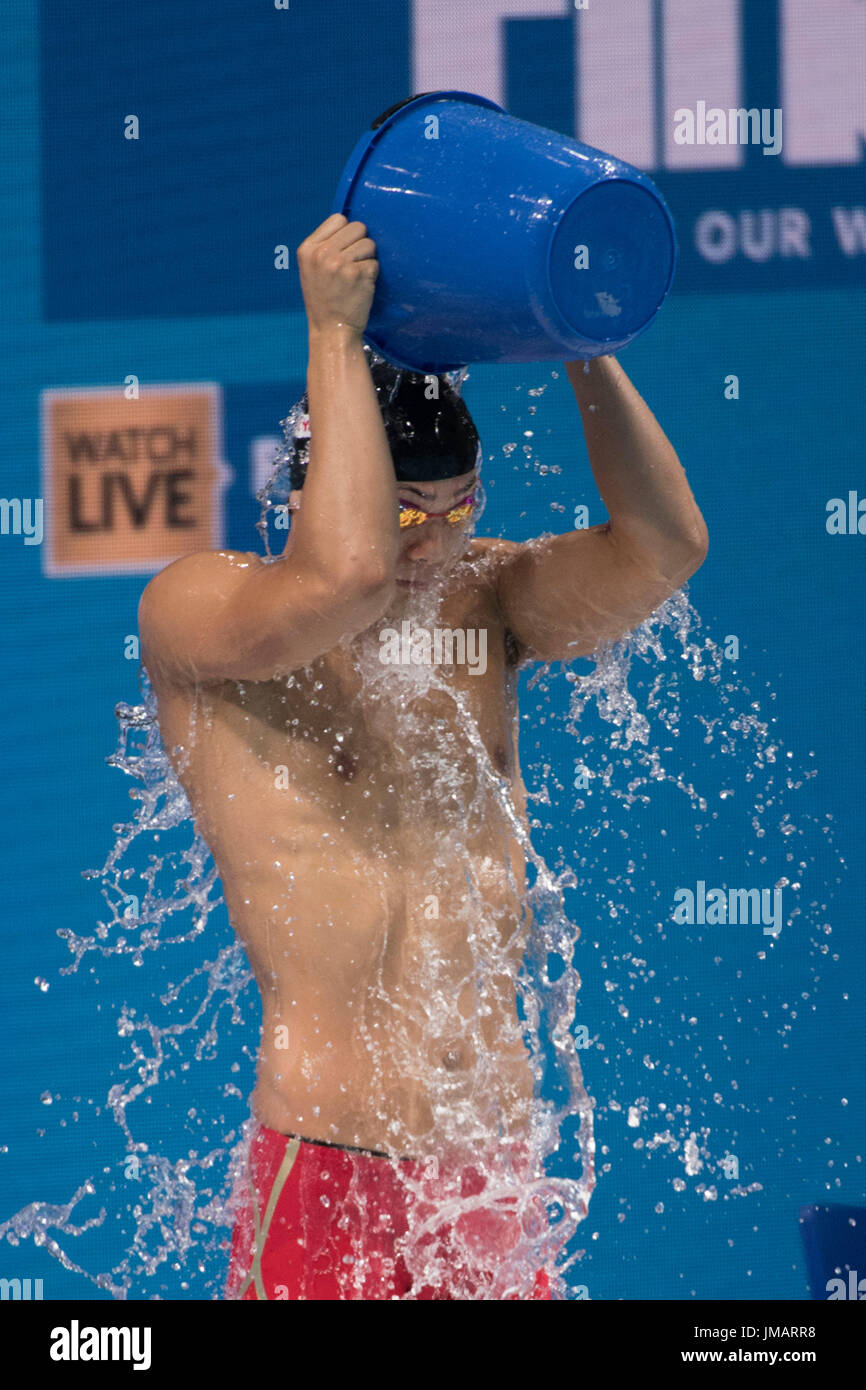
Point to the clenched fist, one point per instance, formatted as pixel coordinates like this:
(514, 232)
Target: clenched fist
(338, 269)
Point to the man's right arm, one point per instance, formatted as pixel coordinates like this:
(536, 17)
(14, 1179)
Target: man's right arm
(228, 615)
(347, 516)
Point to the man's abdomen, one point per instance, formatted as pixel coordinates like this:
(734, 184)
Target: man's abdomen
(389, 1001)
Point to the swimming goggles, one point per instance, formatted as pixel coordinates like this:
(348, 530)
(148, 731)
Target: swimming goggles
(410, 515)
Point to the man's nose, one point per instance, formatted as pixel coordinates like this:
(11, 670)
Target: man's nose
(429, 542)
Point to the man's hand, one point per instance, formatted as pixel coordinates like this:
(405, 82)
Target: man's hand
(338, 269)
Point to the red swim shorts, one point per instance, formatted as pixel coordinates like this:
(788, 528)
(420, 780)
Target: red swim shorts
(327, 1221)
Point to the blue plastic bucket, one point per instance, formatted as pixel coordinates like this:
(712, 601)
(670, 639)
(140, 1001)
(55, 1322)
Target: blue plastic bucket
(479, 218)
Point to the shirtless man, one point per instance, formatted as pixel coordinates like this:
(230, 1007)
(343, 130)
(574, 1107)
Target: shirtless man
(347, 811)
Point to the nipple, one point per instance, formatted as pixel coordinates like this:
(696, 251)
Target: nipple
(346, 764)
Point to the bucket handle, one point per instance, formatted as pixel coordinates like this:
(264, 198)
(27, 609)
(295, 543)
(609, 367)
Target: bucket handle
(396, 107)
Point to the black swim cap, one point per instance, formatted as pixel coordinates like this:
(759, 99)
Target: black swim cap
(430, 431)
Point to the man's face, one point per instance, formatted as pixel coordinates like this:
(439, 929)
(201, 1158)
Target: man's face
(428, 551)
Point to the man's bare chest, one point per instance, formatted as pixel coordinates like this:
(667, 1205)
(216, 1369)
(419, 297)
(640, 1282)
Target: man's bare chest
(394, 702)
(388, 717)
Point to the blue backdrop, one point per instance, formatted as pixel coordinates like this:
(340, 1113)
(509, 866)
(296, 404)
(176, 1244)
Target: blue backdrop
(154, 257)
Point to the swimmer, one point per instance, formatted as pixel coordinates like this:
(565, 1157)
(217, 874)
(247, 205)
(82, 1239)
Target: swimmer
(341, 802)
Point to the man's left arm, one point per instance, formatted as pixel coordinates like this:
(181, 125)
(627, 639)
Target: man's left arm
(561, 596)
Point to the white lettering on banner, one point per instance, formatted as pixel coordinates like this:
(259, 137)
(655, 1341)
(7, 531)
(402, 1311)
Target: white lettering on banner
(849, 224)
(461, 47)
(702, 47)
(756, 235)
(616, 81)
(822, 93)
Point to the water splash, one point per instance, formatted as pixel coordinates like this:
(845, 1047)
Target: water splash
(649, 1061)
(741, 790)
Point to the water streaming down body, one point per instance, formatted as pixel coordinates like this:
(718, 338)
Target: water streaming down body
(467, 1109)
(185, 1211)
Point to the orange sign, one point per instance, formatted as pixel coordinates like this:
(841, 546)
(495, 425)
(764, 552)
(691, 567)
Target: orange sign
(131, 484)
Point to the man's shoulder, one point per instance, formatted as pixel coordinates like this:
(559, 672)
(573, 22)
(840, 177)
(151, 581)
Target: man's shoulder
(490, 553)
(493, 547)
(198, 567)
(192, 584)
(485, 558)
(208, 559)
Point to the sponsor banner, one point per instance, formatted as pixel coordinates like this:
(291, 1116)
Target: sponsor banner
(131, 484)
(749, 114)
